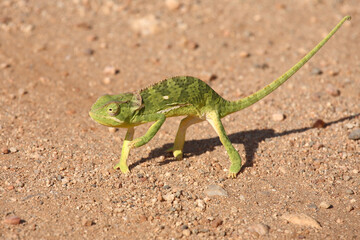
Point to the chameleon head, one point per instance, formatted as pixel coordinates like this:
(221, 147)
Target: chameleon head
(113, 110)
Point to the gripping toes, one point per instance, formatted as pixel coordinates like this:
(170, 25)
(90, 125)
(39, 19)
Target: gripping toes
(234, 170)
(123, 168)
(178, 154)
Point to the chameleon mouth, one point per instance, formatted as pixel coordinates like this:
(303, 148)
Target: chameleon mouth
(91, 114)
(95, 117)
(108, 121)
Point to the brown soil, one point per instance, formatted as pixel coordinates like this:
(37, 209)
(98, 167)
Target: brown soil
(57, 57)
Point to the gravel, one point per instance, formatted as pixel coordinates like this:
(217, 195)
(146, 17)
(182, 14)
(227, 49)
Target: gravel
(60, 180)
(12, 220)
(355, 134)
(215, 190)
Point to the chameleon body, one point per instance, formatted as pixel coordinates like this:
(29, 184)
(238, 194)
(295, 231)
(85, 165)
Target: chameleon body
(181, 96)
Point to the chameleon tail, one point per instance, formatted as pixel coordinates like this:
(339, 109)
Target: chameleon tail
(234, 106)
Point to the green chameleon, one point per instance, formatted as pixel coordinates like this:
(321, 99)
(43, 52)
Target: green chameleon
(181, 96)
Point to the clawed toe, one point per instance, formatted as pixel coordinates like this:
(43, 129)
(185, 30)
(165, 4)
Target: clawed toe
(232, 175)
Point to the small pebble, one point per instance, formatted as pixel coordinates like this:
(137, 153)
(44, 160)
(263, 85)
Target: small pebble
(5, 65)
(27, 28)
(111, 70)
(143, 218)
(13, 150)
(146, 25)
(5, 150)
(319, 124)
(103, 45)
(5, 19)
(347, 178)
(208, 77)
(166, 187)
(349, 192)
(216, 222)
(349, 208)
(186, 232)
(12, 220)
(257, 17)
(244, 54)
(107, 81)
(332, 90)
(85, 222)
(281, 6)
(234, 210)
(169, 197)
(84, 25)
(215, 190)
(349, 126)
(316, 71)
(172, 4)
(325, 205)
(301, 219)
(200, 204)
(112, 129)
(22, 91)
(89, 51)
(191, 45)
(316, 96)
(355, 134)
(282, 170)
(39, 47)
(92, 38)
(160, 197)
(184, 226)
(187, 43)
(278, 117)
(313, 206)
(261, 65)
(333, 73)
(260, 228)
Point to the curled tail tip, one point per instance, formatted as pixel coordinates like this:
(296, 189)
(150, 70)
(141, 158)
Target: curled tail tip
(348, 17)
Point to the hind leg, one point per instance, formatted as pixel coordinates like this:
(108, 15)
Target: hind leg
(177, 149)
(214, 119)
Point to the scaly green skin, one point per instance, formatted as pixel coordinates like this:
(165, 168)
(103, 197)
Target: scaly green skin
(181, 96)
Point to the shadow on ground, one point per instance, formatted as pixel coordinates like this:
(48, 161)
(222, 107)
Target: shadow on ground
(250, 140)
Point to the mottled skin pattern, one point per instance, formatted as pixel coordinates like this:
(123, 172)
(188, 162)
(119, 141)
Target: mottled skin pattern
(181, 96)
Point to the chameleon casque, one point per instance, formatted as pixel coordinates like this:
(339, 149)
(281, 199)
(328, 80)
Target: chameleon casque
(181, 96)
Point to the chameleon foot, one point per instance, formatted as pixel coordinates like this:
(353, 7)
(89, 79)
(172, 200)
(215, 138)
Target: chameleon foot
(123, 168)
(233, 171)
(178, 154)
(232, 175)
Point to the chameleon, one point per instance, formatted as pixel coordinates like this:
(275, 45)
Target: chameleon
(181, 96)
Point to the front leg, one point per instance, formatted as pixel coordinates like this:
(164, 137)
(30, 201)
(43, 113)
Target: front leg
(160, 119)
(130, 143)
(125, 151)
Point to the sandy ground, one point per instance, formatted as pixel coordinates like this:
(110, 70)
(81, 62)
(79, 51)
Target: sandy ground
(56, 176)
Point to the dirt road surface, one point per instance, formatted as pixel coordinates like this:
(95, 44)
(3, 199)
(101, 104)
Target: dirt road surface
(298, 182)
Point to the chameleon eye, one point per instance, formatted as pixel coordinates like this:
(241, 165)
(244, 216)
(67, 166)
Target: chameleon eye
(113, 110)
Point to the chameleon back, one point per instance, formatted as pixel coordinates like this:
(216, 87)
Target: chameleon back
(180, 96)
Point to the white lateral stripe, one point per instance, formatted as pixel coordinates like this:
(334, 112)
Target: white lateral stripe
(114, 118)
(168, 109)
